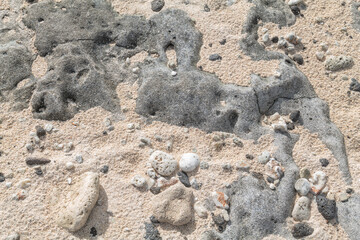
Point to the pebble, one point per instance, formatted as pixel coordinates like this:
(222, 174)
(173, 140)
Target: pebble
(68, 147)
(302, 186)
(295, 10)
(8, 184)
(349, 190)
(38, 171)
(242, 166)
(155, 190)
(324, 47)
(131, 126)
(69, 181)
(272, 186)
(58, 146)
(319, 181)
(69, 166)
(326, 207)
(104, 169)
(151, 233)
(135, 70)
(275, 39)
(227, 167)
(280, 125)
(29, 147)
(138, 181)
(225, 215)
(324, 162)
(200, 210)
(290, 126)
(79, 159)
(354, 85)
(295, 116)
(204, 165)
(173, 73)
(238, 142)
(158, 138)
(219, 222)
(40, 131)
(184, 179)
(270, 179)
(336, 63)
(206, 8)
(157, 5)
(215, 57)
(93, 231)
(21, 195)
(344, 77)
(220, 199)
(264, 157)
(25, 183)
(223, 42)
(174, 205)
(298, 58)
(189, 162)
(320, 56)
(266, 38)
(163, 163)
(48, 127)
(153, 219)
(343, 197)
(14, 236)
(151, 173)
(194, 184)
(301, 230)
(249, 156)
(301, 209)
(36, 161)
(2, 178)
(305, 173)
(164, 183)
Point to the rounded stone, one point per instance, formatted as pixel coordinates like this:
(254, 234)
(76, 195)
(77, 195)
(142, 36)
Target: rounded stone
(138, 181)
(305, 173)
(163, 163)
(69, 166)
(301, 230)
(264, 157)
(157, 5)
(200, 210)
(301, 209)
(302, 186)
(189, 162)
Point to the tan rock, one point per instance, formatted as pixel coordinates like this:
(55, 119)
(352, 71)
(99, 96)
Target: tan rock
(79, 202)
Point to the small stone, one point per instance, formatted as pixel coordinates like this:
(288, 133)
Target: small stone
(242, 166)
(2, 178)
(79, 159)
(215, 57)
(295, 10)
(155, 190)
(151, 173)
(184, 179)
(138, 181)
(298, 58)
(25, 183)
(344, 77)
(58, 146)
(301, 209)
(200, 210)
(266, 38)
(29, 147)
(305, 173)
(219, 222)
(324, 162)
(270, 179)
(227, 167)
(238, 142)
(264, 157)
(249, 156)
(8, 184)
(319, 181)
(204, 165)
(164, 183)
(169, 145)
(158, 138)
(222, 42)
(280, 126)
(173, 73)
(295, 116)
(302, 186)
(38, 171)
(163, 163)
(131, 126)
(151, 233)
(225, 215)
(290, 37)
(301, 230)
(320, 56)
(8, 174)
(206, 8)
(354, 85)
(153, 219)
(343, 197)
(194, 184)
(111, 128)
(14, 236)
(324, 47)
(272, 186)
(146, 141)
(135, 70)
(157, 5)
(104, 169)
(40, 131)
(21, 195)
(68, 147)
(69, 166)
(349, 190)
(189, 162)
(69, 181)
(174, 205)
(290, 126)
(93, 231)
(48, 127)
(336, 63)
(220, 199)
(326, 207)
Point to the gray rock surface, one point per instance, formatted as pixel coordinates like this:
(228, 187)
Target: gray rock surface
(349, 215)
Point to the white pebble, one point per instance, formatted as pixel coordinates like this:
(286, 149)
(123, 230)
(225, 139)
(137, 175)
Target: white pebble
(151, 173)
(69, 180)
(294, 2)
(200, 210)
(69, 165)
(320, 56)
(136, 70)
(173, 73)
(225, 215)
(138, 181)
(264, 157)
(220, 199)
(8, 184)
(272, 186)
(24, 183)
(189, 162)
(48, 127)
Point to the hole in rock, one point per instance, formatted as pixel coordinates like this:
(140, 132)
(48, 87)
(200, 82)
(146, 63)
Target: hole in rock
(171, 56)
(233, 117)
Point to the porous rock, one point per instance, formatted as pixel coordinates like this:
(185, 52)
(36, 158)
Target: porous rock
(336, 63)
(174, 205)
(79, 202)
(301, 230)
(163, 163)
(326, 207)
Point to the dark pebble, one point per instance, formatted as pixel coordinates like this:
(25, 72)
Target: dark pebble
(155, 190)
(154, 220)
(298, 58)
(354, 85)
(104, 169)
(2, 178)
(184, 179)
(290, 126)
(270, 179)
(215, 57)
(326, 207)
(219, 222)
(295, 10)
(349, 190)
(295, 115)
(151, 233)
(324, 162)
(38, 171)
(249, 156)
(40, 131)
(301, 230)
(222, 42)
(93, 231)
(105, 133)
(206, 8)
(275, 39)
(36, 161)
(157, 5)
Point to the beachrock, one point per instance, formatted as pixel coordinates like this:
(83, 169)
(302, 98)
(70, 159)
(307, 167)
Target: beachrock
(204, 165)
(220, 199)
(354, 85)
(326, 207)
(14, 236)
(164, 183)
(79, 202)
(301, 230)
(319, 181)
(324, 162)
(200, 210)
(151, 173)
(174, 205)
(157, 5)
(264, 157)
(163, 163)
(336, 63)
(184, 179)
(302, 186)
(138, 181)
(151, 233)
(349, 215)
(301, 209)
(305, 173)
(24, 183)
(189, 162)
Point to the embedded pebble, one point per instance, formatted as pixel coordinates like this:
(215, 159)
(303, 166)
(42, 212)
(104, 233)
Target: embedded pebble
(79, 159)
(2, 178)
(155, 190)
(36, 161)
(58, 146)
(157, 5)
(29, 147)
(151, 173)
(79, 202)
(21, 195)
(48, 127)
(319, 181)
(220, 199)
(138, 181)
(302, 186)
(242, 166)
(24, 183)
(40, 131)
(305, 173)
(298, 58)
(225, 215)
(320, 56)
(238, 142)
(354, 85)
(38, 171)
(274, 169)
(163, 163)
(104, 169)
(326, 207)
(227, 167)
(68, 147)
(164, 183)
(215, 57)
(204, 165)
(189, 162)
(184, 179)
(343, 197)
(324, 162)
(69, 166)
(272, 186)
(336, 63)
(301, 230)
(264, 157)
(219, 222)
(200, 210)
(324, 47)
(194, 184)
(151, 233)
(8, 184)
(294, 2)
(301, 209)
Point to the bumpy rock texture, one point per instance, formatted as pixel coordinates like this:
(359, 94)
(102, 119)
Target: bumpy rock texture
(349, 215)
(79, 202)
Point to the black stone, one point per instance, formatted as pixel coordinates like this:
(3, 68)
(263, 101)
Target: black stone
(301, 230)
(354, 85)
(326, 207)
(349, 190)
(206, 8)
(184, 179)
(270, 179)
(104, 169)
(249, 156)
(290, 126)
(295, 10)
(38, 171)
(105, 133)
(324, 162)
(151, 232)
(157, 5)
(222, 42)
(36, 161)
(40, 131)
(298, 58)
(275, 39)
(294, 116)
(93, 231)
(153, 219)
(155, 190)
(215, 57)
(2, 178)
